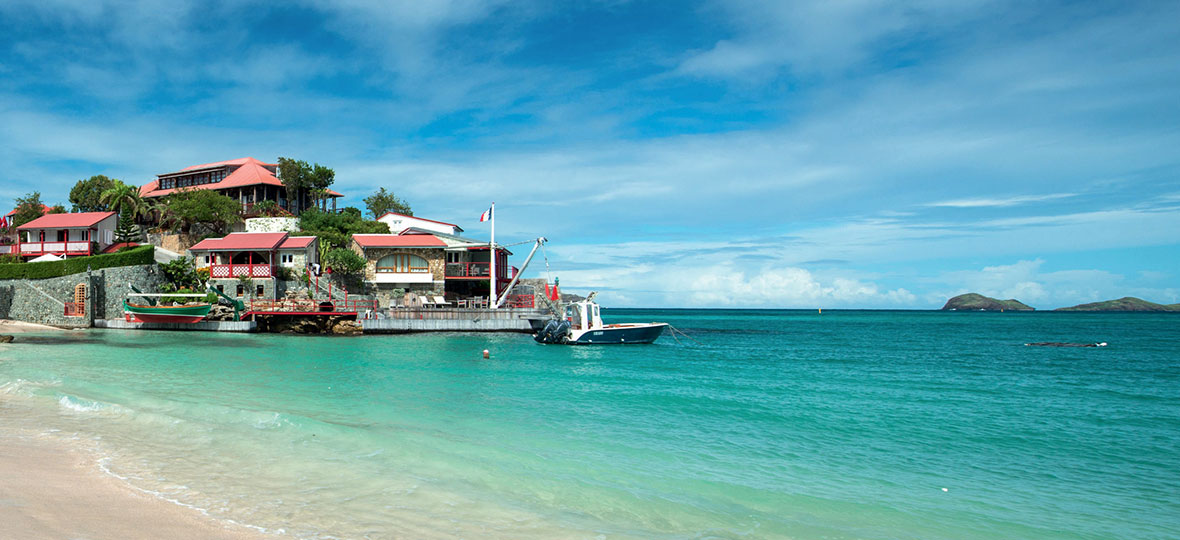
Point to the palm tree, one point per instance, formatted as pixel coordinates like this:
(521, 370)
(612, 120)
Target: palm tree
(123, 198)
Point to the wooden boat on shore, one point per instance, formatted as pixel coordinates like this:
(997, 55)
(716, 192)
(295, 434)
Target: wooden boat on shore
(582, 325)
(150, 312)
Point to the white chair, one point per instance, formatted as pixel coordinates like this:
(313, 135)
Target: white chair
(440, 302)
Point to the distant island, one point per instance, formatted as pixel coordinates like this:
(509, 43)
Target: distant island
(1127, 303)
(979, 302)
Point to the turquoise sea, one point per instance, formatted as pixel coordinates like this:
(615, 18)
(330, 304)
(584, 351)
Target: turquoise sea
(771, 424)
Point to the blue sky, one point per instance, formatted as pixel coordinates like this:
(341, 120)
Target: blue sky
(739, 153)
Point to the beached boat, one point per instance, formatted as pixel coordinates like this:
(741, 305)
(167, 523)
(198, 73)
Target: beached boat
(150, 312)
(582, 325)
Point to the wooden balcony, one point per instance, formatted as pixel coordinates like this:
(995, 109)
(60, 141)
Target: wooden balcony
(230, 271)
(75, 248)
(476, 270)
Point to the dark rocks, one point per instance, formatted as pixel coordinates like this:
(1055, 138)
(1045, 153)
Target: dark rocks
(7, 339)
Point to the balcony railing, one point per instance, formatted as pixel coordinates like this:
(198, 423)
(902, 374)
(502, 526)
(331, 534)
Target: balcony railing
(475, 270)
(57, 248)
(228, 271)
(6, 249)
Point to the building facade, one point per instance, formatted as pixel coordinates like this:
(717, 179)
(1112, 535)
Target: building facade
(247, 180)
(66, 235)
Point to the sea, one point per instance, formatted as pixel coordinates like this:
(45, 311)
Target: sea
(751, 424)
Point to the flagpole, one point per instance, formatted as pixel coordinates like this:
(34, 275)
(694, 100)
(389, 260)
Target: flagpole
(492, 264)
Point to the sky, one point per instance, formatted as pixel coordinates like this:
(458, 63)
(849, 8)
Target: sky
(738, 153)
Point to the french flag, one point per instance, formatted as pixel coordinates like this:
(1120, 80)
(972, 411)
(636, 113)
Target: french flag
(486, 215)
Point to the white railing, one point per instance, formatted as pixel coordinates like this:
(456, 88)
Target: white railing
(238, 270)
(55, 247)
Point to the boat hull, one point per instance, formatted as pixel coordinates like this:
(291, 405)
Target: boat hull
(167, 314)
(618, 334)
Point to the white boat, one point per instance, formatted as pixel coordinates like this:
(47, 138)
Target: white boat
(582, 325)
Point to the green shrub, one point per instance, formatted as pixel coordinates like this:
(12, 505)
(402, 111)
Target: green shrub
(51, 269)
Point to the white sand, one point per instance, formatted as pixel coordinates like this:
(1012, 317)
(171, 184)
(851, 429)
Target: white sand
(48, 491)
(8, 326)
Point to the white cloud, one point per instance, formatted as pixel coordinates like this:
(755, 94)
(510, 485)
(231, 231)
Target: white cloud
(1001, 201)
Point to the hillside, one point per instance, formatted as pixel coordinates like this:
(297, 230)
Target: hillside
(979, 302)
(1127, 303)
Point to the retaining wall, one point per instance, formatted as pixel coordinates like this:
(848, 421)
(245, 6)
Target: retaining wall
(43, 300)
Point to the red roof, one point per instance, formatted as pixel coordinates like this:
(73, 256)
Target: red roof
(396, 240)
(242, 241)
(67, 221)
(419, 218)
(249, 172)
(44, 208)
(239, 161)
(297, 242)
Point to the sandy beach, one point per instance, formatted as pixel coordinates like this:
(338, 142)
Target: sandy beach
(9, 326)
(51, 492)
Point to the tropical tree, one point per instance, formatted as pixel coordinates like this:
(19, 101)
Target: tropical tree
(28, 208)
(86, 195)
(189, 207)
(344, 261)
(382, 201)
(304, 181)
(123, 199)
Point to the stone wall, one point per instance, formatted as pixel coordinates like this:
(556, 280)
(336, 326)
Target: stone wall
(230, 288)
(272, 224)
(43, 300)
(176, 243)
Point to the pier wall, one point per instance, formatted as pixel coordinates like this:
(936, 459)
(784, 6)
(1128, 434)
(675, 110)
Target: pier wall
(455, 320)
(206, 326)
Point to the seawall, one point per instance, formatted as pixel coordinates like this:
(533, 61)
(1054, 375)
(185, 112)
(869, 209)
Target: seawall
(43, 300)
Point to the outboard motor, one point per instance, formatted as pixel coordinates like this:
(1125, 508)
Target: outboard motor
(555, 331)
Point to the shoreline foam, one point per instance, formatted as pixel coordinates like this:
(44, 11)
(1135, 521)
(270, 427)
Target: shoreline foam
(52, 491)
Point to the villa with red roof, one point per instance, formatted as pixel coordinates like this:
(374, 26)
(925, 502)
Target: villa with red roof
(66, 235)
(247, 180)
(256, 256)
(430, 262)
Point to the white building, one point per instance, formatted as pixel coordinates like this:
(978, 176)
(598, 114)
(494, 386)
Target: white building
(400, 222)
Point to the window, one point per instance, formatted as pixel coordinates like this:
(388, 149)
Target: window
(259, 291)
(241, 290)
(453, 256)
(401, 263)
(287, 258)
(206, 259)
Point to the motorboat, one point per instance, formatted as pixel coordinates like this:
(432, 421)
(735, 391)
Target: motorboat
(582, 325)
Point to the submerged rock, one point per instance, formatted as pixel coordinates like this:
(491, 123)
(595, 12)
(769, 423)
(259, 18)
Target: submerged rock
(7, 339)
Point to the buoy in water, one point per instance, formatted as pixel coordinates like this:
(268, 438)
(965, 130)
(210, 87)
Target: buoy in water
(486, 354)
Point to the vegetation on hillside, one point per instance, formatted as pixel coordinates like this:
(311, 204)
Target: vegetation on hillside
(382, 201)
(306, 183)
(336, 229)
(1127, 303)
(86, 195)
(979, 302)
(187, 208)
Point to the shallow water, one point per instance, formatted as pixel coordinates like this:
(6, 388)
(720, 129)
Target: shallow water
(772, 424)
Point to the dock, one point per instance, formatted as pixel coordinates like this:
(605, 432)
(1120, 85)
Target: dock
(399, 321)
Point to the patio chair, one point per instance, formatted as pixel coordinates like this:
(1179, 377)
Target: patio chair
(440, 302)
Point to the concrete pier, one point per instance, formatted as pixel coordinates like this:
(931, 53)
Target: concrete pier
(400, 326)
(454, 320)
(204, 326)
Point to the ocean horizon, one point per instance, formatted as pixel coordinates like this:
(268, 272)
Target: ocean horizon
(763, 423)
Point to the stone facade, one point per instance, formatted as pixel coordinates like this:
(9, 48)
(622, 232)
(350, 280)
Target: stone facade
(43, 300)
(250, 291)
(272, 224)
(386, 293)
(176, 243)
